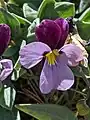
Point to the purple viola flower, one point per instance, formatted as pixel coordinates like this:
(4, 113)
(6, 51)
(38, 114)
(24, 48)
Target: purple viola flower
(6, 67)
(5, 34)
(55, 73)
(53, 33)
(51, 36)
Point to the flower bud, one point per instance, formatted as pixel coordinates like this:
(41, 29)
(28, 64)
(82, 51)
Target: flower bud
(5, 34)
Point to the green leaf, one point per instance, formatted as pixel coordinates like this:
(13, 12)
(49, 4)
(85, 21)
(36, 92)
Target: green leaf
(82, 108)
(85, 16)
(83, 4)
(86, 71)
(29, 12)
(79, 70)
(32, 27)
(88, 116)
(31, 30)
(12, 8)
(7, 97)
(18, 71)
(31, 37)
(46, 10)
(83, 24)
(6, 17)
(10, 51)
(36, 3)
(83, 28)
(9, 115)
(47, 111)
(55, 9)
(21, 19)
(17, 74)
(65, 9)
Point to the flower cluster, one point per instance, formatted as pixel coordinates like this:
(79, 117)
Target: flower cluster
(6, 65)
(50, 45)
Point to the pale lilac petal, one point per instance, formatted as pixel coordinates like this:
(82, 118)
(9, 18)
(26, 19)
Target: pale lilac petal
(57, 76)
(32, 54)
(73, 53)
(7, 68)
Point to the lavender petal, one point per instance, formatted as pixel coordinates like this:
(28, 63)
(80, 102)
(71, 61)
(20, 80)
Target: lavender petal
(73, 53)
(57, 76)
(7, 68)
(32, 54)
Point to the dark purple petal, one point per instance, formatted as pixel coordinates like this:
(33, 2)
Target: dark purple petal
(71, 24)
(32, 54)
(7, 68)
(73, 53)
(57, 76)
(64, 26)
(49, 33)
(5, 34)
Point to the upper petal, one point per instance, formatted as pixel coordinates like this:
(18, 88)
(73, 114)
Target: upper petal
(5, 34)
(71, 24)
(73, 53)
(64, 26)
(49, 33)
(7, 68)
(57, 76)
(32, 54)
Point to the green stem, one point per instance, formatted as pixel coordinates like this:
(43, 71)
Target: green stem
(76, 88)
(84, 95)
(86, 80)
(60, 99)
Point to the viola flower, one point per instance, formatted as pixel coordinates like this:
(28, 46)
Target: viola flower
(55, 73)
(6, 67)
(5, 34)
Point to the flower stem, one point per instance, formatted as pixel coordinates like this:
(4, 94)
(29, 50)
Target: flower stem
(83, 94)
(60, 99)
(78, 79)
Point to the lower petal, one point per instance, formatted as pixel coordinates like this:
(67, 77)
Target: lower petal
(67, 79)
(57, 76)
(7, 66)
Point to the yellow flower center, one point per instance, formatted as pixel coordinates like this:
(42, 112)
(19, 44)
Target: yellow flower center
(51, 57)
